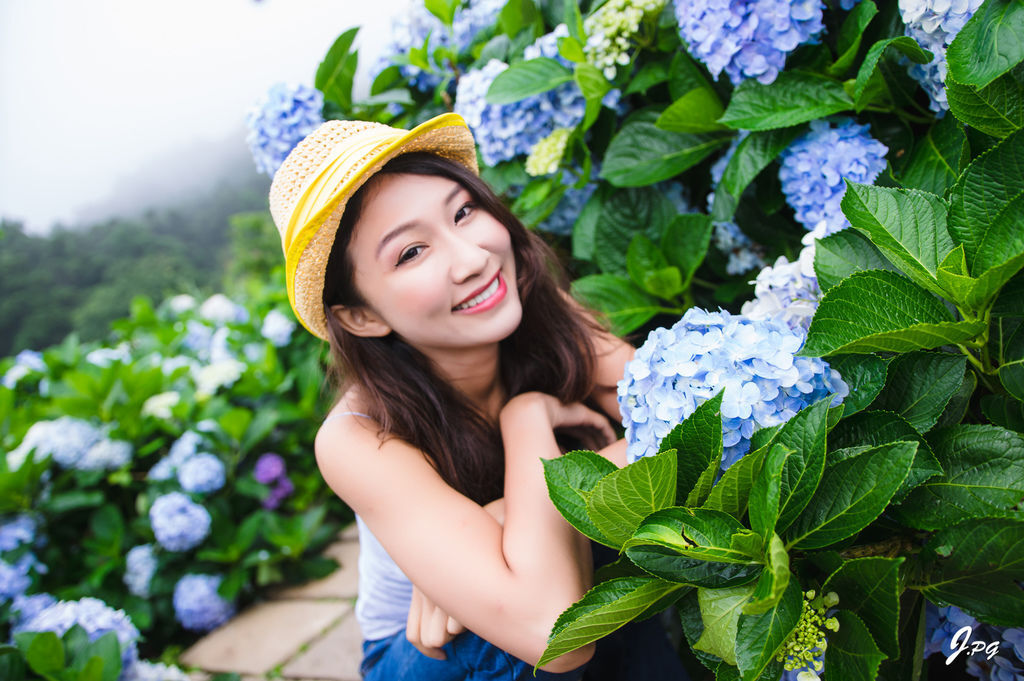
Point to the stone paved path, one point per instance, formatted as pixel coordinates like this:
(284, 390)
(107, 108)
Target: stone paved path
(304, 633)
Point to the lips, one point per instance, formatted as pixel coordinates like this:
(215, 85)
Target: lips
(482, 295)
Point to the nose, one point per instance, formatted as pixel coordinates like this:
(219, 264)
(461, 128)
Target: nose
(468, 258)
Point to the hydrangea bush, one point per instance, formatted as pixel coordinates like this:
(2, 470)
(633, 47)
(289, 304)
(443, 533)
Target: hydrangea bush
(829, 354)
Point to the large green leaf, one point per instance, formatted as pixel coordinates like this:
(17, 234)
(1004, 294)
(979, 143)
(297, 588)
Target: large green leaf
(720, 613)
(850, 35)
(852, 493)
(697, 442)
(527, 78)
(696, 111)
(624, 305)
(1004, 411)
(774, 579)
(732, 491)
(865, 376)
(976, 566)
(984, 476)
(649, 269)
(990, 282)
(752, 155)
(852, 654)
(997, 109)
(766, 490)
(43, 651)
(989, 188)
(870, 588)
(908, 226)
(859, 315)
(990, 43)
(794, 97)
(685, 243)
(570, 478)
(602, 610)
(625, 213)
(804, 435)
(335, 73)
(642, 154)
(920, 385)
(871, 428)
(839, 255)
(908, 46)
(759, 636)
(693, 546)
(623, 498)
(938, 157)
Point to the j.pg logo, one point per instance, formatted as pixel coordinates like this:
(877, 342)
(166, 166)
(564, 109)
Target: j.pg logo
(962, 642)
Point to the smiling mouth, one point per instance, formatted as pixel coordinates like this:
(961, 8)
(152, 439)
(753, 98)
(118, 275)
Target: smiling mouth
(491, 289)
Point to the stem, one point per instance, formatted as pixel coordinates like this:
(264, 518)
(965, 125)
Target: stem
(890, 548)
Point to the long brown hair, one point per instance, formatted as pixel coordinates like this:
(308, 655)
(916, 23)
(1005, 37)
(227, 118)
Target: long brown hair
(549, 351)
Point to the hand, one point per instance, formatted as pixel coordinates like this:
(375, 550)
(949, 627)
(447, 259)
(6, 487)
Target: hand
(587, 425)
(428, 627)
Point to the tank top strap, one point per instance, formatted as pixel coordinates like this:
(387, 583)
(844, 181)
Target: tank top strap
(345, 413)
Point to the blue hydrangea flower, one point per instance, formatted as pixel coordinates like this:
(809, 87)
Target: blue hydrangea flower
(198, 606)
(18, 531)
(179, 523)
(104, 357)
(155, 671)
(14, 577)
(139, 570)
(815, 165)
(470, 22)
(704, 352)
(26, 606)
(66, 439)
(504, 131)
(565, 214)
(183, 448)
(940, 626)
(747, 38)
(934, 24)
(788, 292)
(106, 455)
(1008, 662)
(93, 615)
(279, 121)
(277, 328)
(201, 474)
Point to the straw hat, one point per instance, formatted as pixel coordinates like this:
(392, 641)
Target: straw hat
(312, 186)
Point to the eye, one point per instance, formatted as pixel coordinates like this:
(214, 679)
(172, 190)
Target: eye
(463, 211)
(409, 254)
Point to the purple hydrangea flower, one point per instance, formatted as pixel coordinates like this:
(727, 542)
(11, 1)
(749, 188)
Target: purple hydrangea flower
(18, 531)
(934, 24)
(279, 493)
(140, 568)
(201, 474)
(93, 615)
(179, 523)
(279, 122)
(268, 468)
(704, 352)
(747, 38)
(815, 165)
(198, 606)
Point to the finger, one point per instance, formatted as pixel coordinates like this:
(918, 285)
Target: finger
(434, 653)
(434, 631)
(454, 627)
(412, 621)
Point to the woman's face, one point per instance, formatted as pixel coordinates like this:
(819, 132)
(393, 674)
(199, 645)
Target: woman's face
(432, 266)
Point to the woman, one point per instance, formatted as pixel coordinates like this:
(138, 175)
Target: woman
(458, 357)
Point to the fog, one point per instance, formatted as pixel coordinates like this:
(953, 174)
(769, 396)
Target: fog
(109, 106)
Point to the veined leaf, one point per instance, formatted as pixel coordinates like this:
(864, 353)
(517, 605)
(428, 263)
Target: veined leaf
(685, 243)
(696, 111)
(1004, 411)
(720, 613)
(765, 493)
(997, 109)
(858, 315)
(908, 46)
(870, 588)
(920, 385)
(623, 498)
(864, 374)
(697, 442)
(642, 154)
(759, 636)
(839, 255)
(850, 36)
(335, 73)
(752, 155)
(774, 579)
(852, 653)
(732, 491)
(938, 158)
(625, 306)
(990, 43)
(570, 479)
(794, 97)
(804, 435)
(527, 78)
(852, 493)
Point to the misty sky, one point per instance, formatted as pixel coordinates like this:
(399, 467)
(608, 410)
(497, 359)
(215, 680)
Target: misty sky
(95, 93)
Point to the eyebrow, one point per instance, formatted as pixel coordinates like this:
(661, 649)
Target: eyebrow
(406, 226)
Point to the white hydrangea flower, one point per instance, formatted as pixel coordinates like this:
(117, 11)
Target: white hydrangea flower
(217, 375)
(104, 357)
(611, 29)
(220, 309)
(277, 328)
(160, 405)
(547, 154)
(182, 303)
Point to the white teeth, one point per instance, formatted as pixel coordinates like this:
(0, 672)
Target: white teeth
(481, 297)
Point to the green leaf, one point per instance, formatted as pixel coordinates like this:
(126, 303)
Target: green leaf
(335, 73)
(795, 97)
(623, 214)
(870, 588)
(986, 206)
(650, 74)
(518, 15)
(990, 282)
(602, 610)
(623, 498)
(953, 276)
(839, 255)
(696, 111)
(442, 9)
(850, 36)
(975, 566)
(1004, 411)
(864, 374)
(732, 491)
(908, 226)
(996, 110)
(625, 306)
(766, 490)
(720, 612)
(852, 493)
(697, 442)
(527, 78)
(759, 636)
(642, 154)
(774, 579)
(649, 269)
(990, 43)
(920, 385)
(938, 157)
(752, 155)
(857, 316)
(570, 478)
(685, 243)
(984, 476)
(908, 46)
(693, 546)
(804, 434)
(108, 649)
(571, 49)
(852, 654)
(43, 651)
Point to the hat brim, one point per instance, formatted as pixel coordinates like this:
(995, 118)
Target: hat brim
(446, 135)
